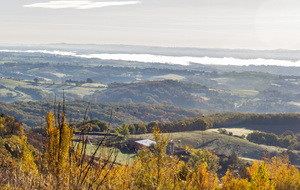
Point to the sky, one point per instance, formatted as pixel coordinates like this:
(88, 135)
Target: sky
(255, 24)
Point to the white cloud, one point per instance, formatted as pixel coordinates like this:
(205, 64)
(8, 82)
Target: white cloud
(81, 4)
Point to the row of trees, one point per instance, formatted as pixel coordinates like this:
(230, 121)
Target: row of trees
(287, 139)
(126, 129)
(272, 122)
(255, 121)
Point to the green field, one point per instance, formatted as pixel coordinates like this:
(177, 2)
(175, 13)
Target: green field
(49, 88)
(168, 77)
(122, 155)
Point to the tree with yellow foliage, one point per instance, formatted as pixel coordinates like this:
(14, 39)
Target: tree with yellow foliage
(282, 173)
(229, 181)
(28, 163)
(203, 179)
(60, 137)
(154, 169)
(260, 179)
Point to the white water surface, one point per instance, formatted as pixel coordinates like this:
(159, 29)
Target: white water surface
(175, 60)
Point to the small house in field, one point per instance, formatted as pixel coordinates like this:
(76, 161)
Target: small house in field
(142, 143)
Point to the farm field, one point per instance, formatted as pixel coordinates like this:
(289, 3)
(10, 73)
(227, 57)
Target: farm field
(10, 89)
(123, 155)
(220, 143)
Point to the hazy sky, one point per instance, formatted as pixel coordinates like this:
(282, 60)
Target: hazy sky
(254, 24)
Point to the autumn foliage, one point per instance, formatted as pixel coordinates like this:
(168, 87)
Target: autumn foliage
(65, 164)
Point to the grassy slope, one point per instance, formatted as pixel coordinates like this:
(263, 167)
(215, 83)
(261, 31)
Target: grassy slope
(210, 139)
(221, 144)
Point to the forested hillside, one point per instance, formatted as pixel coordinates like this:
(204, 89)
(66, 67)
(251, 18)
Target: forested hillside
(167, 92)
(31, 113)
(170, 118)
(276, 123)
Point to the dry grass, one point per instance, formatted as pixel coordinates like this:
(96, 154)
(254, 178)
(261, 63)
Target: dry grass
(220, 143)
